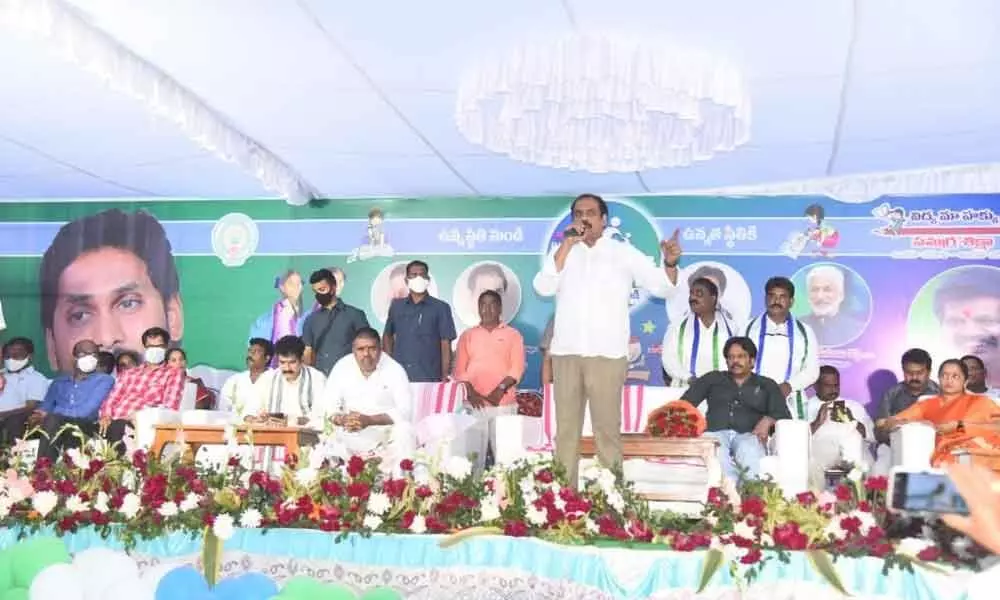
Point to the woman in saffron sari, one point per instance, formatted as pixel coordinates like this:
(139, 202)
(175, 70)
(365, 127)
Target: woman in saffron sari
(965, 423)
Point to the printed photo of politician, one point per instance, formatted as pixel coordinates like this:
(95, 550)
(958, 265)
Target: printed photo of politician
(108, 277)
(838, 302)
(478, 278)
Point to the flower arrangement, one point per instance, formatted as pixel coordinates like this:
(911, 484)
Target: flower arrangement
(139, 497)
(677, 419)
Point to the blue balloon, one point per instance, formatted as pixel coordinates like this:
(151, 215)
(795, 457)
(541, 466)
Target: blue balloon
(183, 583)
(249, 586)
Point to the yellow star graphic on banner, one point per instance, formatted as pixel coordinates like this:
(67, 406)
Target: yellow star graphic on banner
(648, 327)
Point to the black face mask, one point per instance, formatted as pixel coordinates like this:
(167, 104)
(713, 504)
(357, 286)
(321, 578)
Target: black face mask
(324, 299)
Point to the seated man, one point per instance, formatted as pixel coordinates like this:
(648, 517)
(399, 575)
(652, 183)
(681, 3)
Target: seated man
(152, 384)
(368, 402)
(294, 388)
(978, 378)
(242, 392)
(23, 389)
(841, 428)
(73, 400)
(742, 408)
(490, 362)
(916, 384)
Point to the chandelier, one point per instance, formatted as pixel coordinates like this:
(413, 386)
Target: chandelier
(602, 104)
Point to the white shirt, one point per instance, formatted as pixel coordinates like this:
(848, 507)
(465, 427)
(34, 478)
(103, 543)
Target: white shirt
(711, 342)
(857, 409)
(773, 359)
(292, 393)
(21, 387)
(241, 395)
(385, 391)
(592, 296)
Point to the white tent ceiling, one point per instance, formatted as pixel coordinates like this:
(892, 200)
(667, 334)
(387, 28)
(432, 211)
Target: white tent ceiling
(358, 97)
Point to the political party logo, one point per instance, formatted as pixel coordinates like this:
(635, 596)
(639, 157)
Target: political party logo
(627, 223)
(234, 239)
(375, 243)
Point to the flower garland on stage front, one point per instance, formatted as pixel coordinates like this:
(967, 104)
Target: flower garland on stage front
(138, 497)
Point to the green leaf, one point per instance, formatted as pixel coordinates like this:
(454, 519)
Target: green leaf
(824, 566)
(713, 562)
(211, 557)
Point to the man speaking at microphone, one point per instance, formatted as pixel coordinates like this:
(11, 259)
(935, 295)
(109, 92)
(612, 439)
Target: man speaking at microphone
(591, 277)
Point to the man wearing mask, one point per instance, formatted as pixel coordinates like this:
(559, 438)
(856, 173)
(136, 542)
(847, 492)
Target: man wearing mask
(73, 400)
(153, 384)
(787, 350)
(419, 329)
(742, 408)
(328, 331)
(23, 389)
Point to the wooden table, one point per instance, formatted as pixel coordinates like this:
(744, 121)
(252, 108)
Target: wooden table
(196, 436)
(641, 445)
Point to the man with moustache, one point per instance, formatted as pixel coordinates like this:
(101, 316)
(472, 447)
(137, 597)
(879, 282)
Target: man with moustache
(328, 331)
(591, 277)
(967, 304)
(841, 428)
(294, 387)
(243, 392)
(976, 383)
(916, 384)
(787, 350)
(693, 346)
(742, 408)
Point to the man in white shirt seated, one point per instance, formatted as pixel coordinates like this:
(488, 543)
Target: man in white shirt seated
(368, 403)
(976, 383)
(23, 389)
(242, 393)
(842, 430)
(294, 387)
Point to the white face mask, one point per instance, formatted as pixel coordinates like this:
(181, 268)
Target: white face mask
(13, 365)
(155, 355)
(86, 363)
(417, 285)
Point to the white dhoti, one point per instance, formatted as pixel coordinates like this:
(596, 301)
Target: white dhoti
(391, 443)
(483, 434)
(835, 443)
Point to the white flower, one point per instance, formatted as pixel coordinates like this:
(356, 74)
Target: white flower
(44, 502)
(855, 474)
(190, 502)
(527, 485)
(912, 546)
(372, 522)
(458, 467)
(250, 519)
(76, 458)
(131, 505)
(419, 524)
(379, 503)
(306, 476)
(536, 516)
(745, 530)
(223, 527)
(76, 504)
(616, 501)
(128, 479)
(229, 435)
(559, 503)
(591, 526)
(101, 502)
(867, 520)
(168, 509)
(766, 540)
(489, 511)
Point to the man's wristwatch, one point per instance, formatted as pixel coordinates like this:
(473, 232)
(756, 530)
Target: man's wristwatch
(503, 386)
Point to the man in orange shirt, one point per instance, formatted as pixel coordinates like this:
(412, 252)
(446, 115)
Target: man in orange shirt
(490, 362)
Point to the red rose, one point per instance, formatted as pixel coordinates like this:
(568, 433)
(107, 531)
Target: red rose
(515, 528)
(394, 488)
(929, 554)
(851, 525)
(753, 505)
(358, 489)
(332, 488)
(864, 506)
(880, 550)
(806, 498)
(424, 492)
(787, 535)
(355, 466)
(544, 476)
(752, 557)
(843, 493)
(406, 464)
(877, 484)
(716, 497)
(234, 461)
(208, 519)
(407, 519)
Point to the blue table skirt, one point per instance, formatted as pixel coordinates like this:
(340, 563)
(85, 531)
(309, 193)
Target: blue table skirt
(584, 565)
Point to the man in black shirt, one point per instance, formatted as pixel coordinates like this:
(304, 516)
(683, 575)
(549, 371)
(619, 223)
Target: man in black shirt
(742, 408)
(329, 331)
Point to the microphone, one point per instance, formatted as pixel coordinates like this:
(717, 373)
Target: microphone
(574, 232)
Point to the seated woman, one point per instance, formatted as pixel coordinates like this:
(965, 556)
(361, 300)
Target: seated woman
(964, 422)
(204, 397)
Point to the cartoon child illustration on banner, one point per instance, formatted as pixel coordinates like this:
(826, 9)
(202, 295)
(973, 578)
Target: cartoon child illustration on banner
(819, 233)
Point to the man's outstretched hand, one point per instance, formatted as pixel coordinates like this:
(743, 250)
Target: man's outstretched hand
(671, 249)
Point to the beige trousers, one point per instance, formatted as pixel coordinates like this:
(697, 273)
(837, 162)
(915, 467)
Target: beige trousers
(577, 380)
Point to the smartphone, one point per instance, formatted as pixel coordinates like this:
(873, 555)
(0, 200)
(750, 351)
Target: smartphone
(924, 491)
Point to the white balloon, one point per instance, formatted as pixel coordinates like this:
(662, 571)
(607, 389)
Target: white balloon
(101, 567)
(57, 582)
(128, 589)
(151, 577)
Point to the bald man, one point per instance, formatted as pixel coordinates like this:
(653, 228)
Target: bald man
(829, 316)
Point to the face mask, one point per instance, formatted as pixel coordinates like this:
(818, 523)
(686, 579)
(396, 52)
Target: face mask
(324, 299)
(417, 285)
(86, 363)
(13, 365)
(154, 355)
